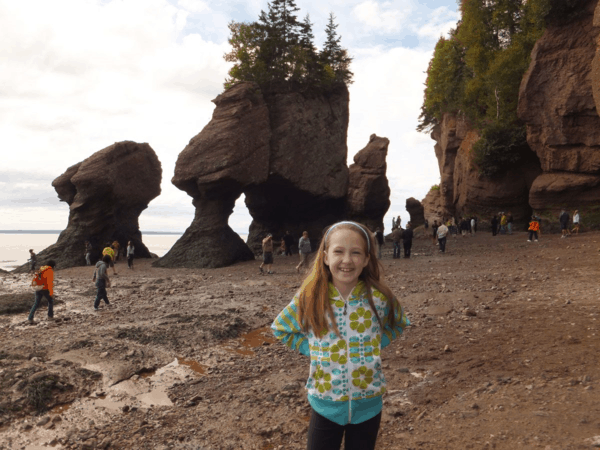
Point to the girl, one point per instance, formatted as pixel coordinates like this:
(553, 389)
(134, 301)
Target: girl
(534, 227)
(342, 317)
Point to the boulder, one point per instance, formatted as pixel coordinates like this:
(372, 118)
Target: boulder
(285, 150)
(106, 194)
(416, 211)
(433, 208)
(558, 101)
(368, 189)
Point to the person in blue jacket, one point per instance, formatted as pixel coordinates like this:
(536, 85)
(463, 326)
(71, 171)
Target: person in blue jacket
(342, 316)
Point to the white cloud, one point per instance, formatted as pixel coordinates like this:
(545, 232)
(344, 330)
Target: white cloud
(382, 17)
(194, 6)
(442, 20)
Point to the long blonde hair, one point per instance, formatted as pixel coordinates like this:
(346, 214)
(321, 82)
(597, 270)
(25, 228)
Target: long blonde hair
(314, 305)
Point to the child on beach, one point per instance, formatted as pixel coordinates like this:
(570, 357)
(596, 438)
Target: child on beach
(110, 252)
(342, 317)
(45, 279)
(534, 227)
(102, 281)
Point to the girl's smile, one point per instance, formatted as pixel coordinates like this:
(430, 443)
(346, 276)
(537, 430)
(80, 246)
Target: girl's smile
(346, 257)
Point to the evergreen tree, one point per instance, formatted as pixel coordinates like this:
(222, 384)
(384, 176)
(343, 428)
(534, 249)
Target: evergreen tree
(334, 58)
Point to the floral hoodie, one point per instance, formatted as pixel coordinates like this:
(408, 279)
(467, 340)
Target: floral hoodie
(345, 383)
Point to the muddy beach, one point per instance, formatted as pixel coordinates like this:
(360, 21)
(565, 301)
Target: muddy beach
(502, 354)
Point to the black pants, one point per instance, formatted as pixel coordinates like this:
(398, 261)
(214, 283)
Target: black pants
(323, 434)
(442, 242)
(407, 247)
(130, 261)
(288, 250)
(101, 293)
(533, 235)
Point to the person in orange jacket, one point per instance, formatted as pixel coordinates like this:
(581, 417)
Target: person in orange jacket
(534, 227)
(44, 278)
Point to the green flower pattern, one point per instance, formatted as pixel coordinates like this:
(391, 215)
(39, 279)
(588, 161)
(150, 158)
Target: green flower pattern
(350, 366)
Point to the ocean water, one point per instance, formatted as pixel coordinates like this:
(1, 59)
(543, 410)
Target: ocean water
(14, 247)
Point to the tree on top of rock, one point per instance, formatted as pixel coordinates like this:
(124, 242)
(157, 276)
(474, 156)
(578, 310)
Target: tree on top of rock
(278, 48)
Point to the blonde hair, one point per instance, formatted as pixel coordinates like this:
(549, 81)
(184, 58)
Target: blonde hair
(314, 305)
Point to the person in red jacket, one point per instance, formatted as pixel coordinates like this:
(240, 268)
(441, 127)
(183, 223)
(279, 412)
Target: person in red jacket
(44, 278)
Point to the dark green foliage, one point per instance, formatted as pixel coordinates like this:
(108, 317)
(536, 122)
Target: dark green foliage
(501, 146)
(477, 73)
(278, 48)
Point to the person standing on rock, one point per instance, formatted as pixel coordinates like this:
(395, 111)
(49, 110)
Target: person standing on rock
(397, 240)
(564, 223)
(32, 260)
(575, 222)
(267, 248)
(442, 233)
(534, 227)
(304, 249)
(344, 300)
(288, 240)
(130, 254)
(110, 252)
(380, 241)
(88, 253)
(102, 281)
(407, 237)
(45, 279)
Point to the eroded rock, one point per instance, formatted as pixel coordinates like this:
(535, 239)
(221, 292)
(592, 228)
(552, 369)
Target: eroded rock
(106, 194)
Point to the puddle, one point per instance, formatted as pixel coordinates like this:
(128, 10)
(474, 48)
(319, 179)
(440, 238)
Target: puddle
(194, 365)
(59, 409)
(253, 339)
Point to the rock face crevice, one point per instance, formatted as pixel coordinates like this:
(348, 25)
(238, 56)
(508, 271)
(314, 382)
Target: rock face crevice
(106, 194)
(557, 100)
(285, 151)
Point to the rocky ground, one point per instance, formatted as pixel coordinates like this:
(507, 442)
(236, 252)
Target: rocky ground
(502, 354)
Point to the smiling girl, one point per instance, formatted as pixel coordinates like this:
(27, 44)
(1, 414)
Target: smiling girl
(342, 317)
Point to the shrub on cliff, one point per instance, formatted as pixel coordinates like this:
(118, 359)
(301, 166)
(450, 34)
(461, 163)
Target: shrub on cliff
(278, 48)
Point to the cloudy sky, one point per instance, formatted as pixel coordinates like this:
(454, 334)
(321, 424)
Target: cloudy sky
(79, 75)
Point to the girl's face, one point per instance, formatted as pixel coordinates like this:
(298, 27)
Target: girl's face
(346, 257)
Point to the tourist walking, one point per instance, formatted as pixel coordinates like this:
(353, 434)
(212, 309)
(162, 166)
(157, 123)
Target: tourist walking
(110, 252)
(43, 283)
(575, 222)
(442, 233)
(304, 249)
(564, 223)
(509, 222)
(397, 239)
(464, 227)
(345, 268)
(32, 260)
(288, 241)
(380, 241)
(267, 248)
(494, 224)
(473, 227)
(534, 227)
(407, 237)
(88, 253)
(102, 281)
(503, 223)
(130, 254)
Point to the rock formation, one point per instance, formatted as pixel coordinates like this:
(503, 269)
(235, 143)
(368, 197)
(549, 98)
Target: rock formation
(463, 191)
(368, 189)
(558, 100)
(106, 194)
(286, 151)
(416, 212)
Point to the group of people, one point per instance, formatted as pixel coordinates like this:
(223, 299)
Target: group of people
(43, 279)
(502, 223)
(304, 249)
